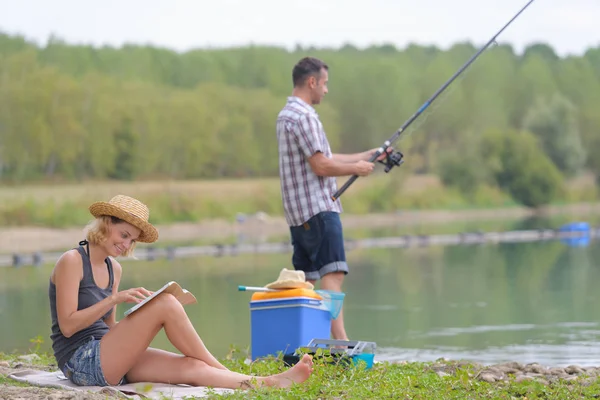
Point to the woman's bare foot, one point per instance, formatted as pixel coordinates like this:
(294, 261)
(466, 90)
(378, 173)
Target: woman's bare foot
(297, 374)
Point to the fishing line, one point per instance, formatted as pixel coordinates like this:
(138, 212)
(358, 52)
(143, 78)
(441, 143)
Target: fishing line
(442, 99)
(395, 158)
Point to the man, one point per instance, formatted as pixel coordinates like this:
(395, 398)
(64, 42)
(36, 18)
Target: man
(307, 170)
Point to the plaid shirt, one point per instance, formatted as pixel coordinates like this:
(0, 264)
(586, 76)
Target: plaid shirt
(300, 134)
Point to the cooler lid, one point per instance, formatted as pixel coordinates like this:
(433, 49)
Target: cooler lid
(282, 294)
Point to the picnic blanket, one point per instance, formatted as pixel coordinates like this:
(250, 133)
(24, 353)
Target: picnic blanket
(130, 391)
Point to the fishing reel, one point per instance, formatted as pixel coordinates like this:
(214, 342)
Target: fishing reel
(393, 159)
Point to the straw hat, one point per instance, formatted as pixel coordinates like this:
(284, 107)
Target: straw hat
(289, 279)
(129, 210)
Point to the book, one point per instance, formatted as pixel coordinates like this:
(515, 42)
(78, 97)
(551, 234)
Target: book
(183, 296)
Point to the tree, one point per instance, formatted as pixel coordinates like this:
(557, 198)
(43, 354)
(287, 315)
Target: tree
(464, 166)
(542, 50)
(555, 122)
(519, 168)
(210, 112)
(125, 143)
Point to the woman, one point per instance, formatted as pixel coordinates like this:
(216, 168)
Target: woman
(92, 348)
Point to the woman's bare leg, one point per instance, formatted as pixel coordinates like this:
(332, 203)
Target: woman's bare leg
(166, 367)
(124, 350)
(121, 347)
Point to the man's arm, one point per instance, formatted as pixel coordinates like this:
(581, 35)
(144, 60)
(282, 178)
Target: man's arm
(365, 155)
(351, 158)
(308, 138)
(323, 166)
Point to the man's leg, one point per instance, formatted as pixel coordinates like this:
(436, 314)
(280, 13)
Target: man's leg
(319, 252)
(333, 281)
(305, 238)
(331, 263)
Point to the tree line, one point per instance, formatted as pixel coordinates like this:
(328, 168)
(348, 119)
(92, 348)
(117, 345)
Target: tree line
(523, 122)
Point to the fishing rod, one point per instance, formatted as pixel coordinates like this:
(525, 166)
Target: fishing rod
(396, 158)
(255, 289)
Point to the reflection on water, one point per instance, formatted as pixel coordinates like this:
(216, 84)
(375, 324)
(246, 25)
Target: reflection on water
(559, 344)
(475, 329)
(582, 354)
(529, 302)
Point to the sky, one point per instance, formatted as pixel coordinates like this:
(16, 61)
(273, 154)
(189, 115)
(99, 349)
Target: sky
(566, 25)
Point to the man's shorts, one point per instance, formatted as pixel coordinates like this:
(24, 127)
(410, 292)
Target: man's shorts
(319, 246)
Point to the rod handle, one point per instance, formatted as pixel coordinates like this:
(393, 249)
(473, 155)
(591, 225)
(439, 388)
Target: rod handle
(351, 180)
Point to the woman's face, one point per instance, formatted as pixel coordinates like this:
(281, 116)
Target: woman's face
(121, 238)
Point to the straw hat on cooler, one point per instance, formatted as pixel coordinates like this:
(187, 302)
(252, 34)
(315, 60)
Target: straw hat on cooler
(289, 279)
(129, 210)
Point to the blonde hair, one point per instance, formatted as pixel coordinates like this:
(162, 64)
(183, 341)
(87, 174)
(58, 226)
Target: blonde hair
(98, 231)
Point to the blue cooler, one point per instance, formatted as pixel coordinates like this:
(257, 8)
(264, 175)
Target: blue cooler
(285, 320)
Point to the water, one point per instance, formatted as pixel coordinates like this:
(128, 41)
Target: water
(533, 302)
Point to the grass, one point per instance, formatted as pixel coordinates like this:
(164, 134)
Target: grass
(65, 204)
(407, 380)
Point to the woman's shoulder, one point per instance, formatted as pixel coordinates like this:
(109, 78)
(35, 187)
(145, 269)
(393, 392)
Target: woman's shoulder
(69, 260)
(69, 257)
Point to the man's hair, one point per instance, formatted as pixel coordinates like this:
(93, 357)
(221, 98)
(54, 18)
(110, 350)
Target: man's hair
(306, 67)
(98, 231)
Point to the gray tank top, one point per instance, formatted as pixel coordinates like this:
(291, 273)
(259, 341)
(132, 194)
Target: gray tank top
(89, 294)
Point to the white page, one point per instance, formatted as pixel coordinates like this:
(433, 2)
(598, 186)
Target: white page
(147, 299)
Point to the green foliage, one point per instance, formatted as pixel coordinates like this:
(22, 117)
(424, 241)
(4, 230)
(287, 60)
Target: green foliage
(37, 343)
(394, 381)
(78, 113)
(457, 170)
(528, 175)
(414, 380)
(461, 166)
(554, 122)
(188, 201)
(125, 143)
(40, 358)
(593, 161)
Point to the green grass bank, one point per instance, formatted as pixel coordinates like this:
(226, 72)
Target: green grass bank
(62, 205)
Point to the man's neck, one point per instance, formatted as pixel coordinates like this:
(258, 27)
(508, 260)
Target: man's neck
(302, 95)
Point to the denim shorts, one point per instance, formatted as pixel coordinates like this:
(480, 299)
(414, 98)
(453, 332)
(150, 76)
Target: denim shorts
(319, 246)
(84, 369)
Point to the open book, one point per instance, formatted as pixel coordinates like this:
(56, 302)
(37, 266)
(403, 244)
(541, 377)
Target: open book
(172, 287)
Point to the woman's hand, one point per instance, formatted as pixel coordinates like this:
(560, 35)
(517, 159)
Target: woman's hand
(133, 295)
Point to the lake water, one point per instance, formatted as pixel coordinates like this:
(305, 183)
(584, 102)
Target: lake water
(531, 302)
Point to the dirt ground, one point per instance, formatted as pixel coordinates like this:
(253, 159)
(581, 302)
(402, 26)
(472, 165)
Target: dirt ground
(38, 393)
(491, 373)
(262, 227)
